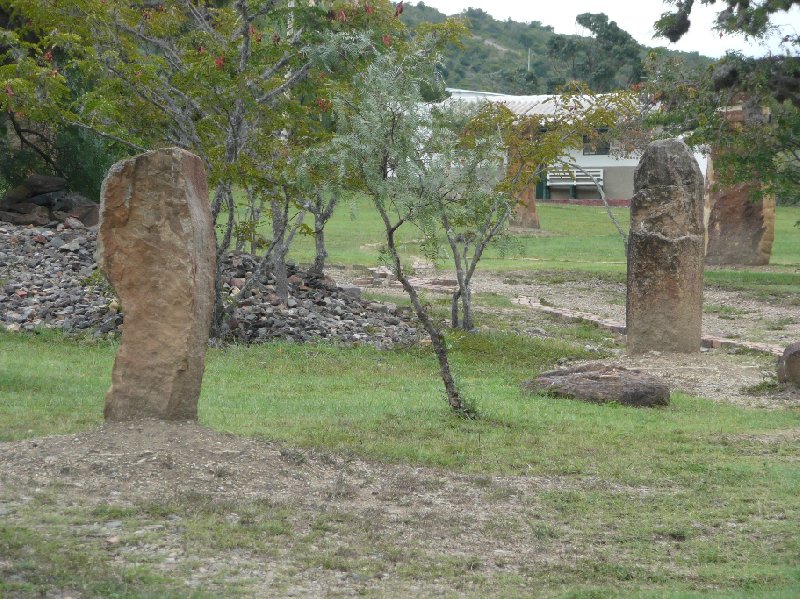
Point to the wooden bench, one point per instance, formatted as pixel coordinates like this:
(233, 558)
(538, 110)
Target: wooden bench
(572, 178)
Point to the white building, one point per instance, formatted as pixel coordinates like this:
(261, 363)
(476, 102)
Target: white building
(613, 171)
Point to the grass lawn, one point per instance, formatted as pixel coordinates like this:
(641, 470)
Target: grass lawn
(580, 238)
(700, 499)
(575, 242)
(722, 481)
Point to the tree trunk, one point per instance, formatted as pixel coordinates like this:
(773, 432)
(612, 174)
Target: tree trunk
(218, 315)
(281, 277)
(319, 239)
(466, 306)
(279, 254)
(437, 340)
(454, 320)
(322, 214)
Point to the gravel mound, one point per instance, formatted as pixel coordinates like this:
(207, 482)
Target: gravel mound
(49, 279)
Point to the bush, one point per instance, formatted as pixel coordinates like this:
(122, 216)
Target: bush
(81, 157)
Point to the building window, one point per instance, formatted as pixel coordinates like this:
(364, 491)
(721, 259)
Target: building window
(596, 145)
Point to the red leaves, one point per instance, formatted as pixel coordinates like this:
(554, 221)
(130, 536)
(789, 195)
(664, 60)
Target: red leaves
(398, 10)
(48, 57)
(386, 39)
(368, 9)
(9, 91)
(201, 50)
(324, 104)
(341, 16)
(219, 62)
(254, 33)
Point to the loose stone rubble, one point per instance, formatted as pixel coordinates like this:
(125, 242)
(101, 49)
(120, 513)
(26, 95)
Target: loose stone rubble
(317, 309)
(48, 279)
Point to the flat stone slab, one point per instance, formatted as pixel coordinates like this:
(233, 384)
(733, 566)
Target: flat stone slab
(600, 383)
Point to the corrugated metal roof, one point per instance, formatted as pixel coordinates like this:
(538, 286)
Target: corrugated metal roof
(522, 105)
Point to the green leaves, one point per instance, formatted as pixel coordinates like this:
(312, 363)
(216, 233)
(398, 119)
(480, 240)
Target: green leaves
(763, 145)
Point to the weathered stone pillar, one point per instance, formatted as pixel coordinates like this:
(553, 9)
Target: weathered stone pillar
(156, 246)
(740, 229)
(665, 251)
(525, 214)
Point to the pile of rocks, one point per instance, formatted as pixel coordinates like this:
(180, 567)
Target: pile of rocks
(48, 278)
(317, 309)
(43, 201)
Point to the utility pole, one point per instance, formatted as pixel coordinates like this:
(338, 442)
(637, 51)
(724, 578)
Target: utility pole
(529, 60)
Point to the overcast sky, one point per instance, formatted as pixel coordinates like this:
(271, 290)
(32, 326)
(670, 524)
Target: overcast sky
(634, 16)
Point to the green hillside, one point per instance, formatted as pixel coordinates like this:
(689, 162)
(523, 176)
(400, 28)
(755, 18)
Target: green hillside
(495, 57)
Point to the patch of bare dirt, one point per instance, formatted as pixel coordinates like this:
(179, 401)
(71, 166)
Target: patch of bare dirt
(408, 512)
(732, 314)
(720, 375)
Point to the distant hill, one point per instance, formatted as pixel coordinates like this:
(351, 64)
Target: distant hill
(495, 58)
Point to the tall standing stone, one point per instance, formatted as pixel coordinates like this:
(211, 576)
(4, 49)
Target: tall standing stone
(741, 228)
(665, 251)
(526, 215)
(156, 246)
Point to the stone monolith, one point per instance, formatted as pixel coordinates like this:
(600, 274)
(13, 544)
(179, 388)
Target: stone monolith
(526, 214)
(740, 228)
(156, 246)
(665, 251)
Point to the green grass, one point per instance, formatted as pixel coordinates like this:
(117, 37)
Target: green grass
(723, 311)
(575, 242)
(712, 488)
(389, 405)
(576, 238)
(700, 499)
(701, 462)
